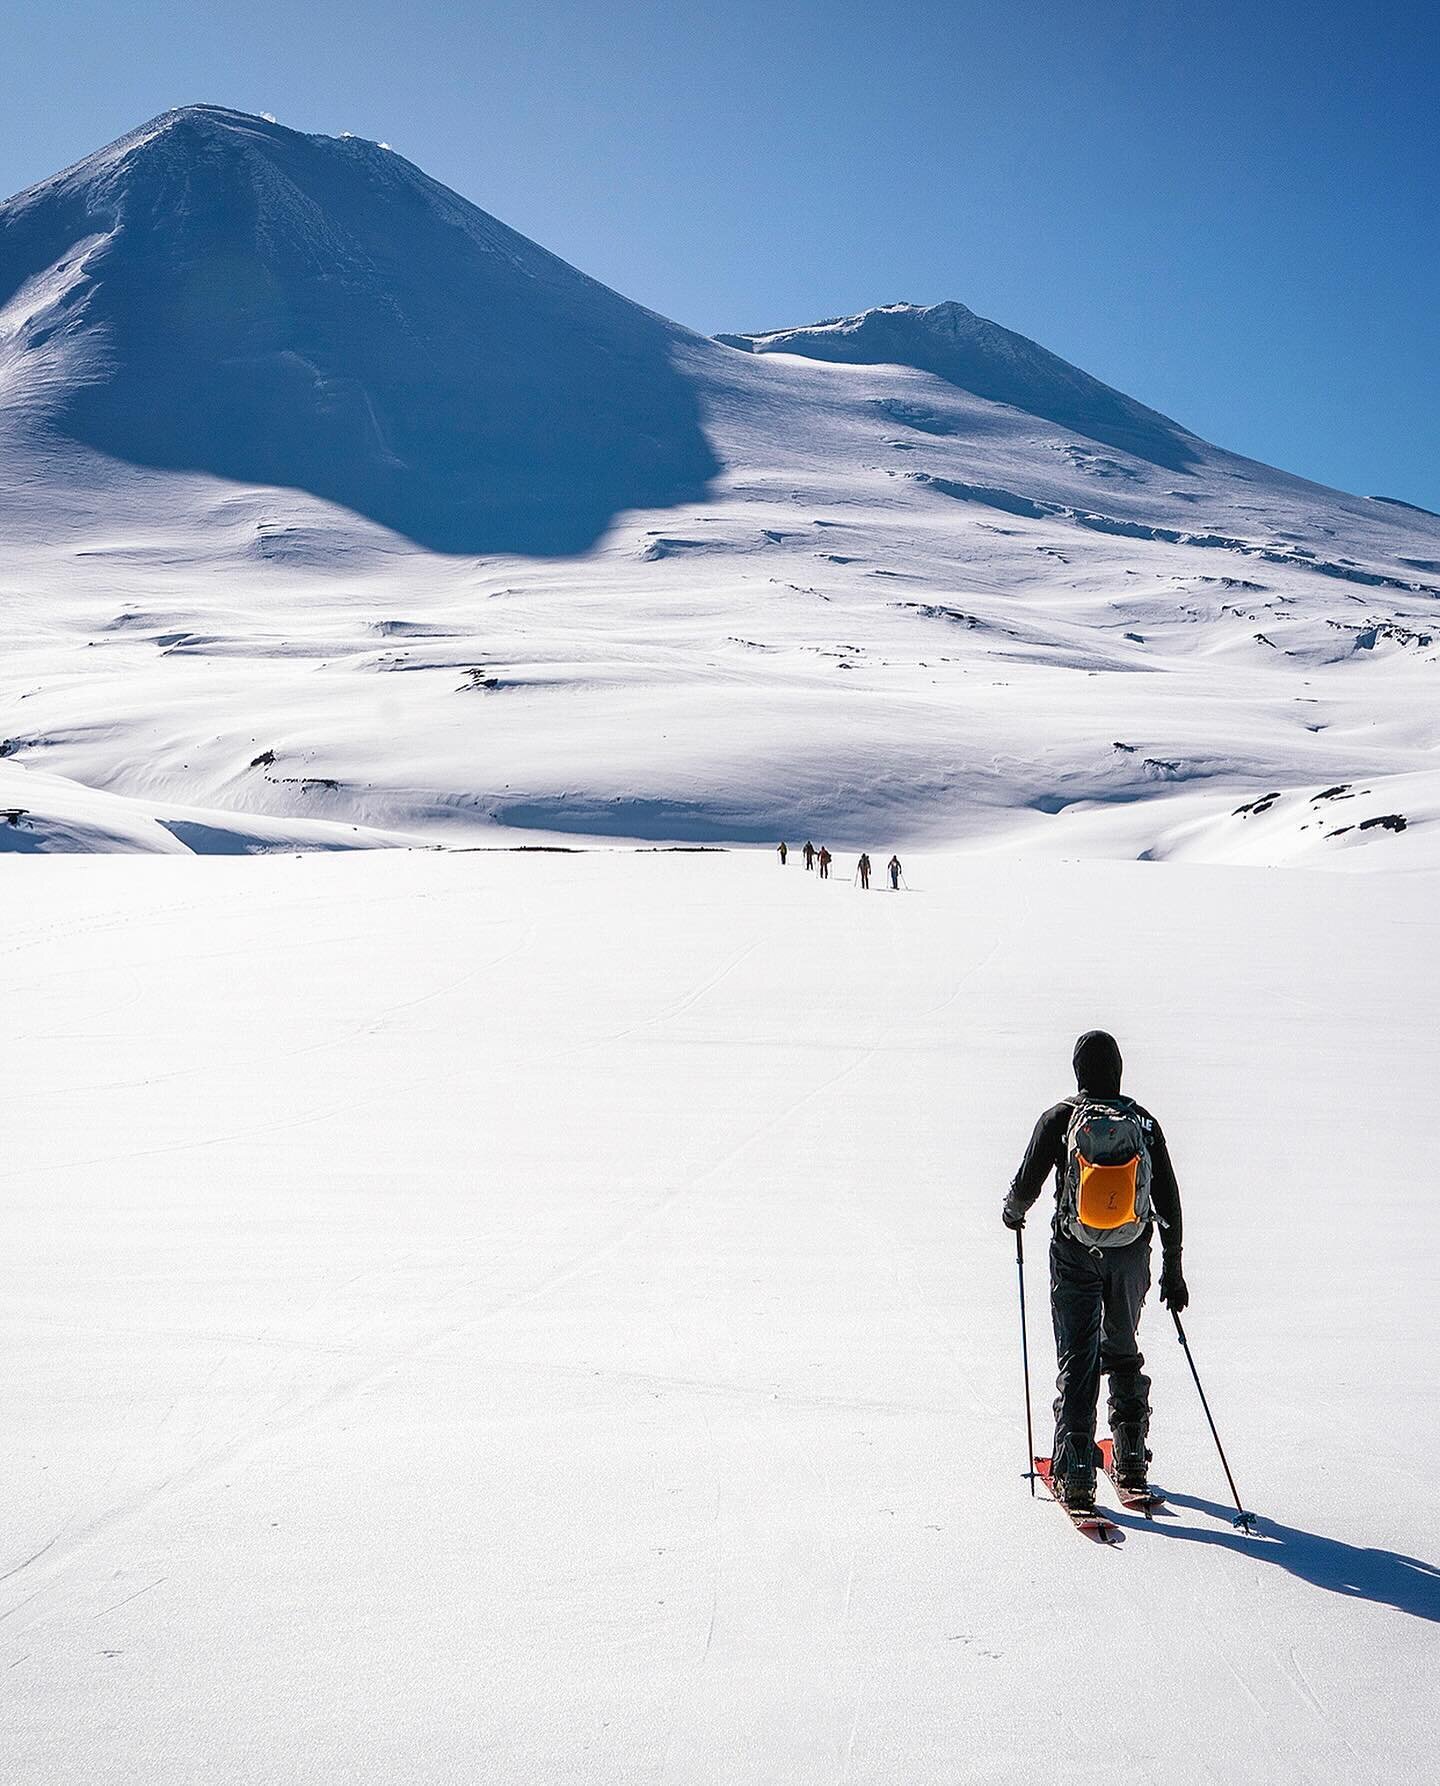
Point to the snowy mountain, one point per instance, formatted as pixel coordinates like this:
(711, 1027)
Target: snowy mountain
(313, 312)
(339, 511)
(988, 361)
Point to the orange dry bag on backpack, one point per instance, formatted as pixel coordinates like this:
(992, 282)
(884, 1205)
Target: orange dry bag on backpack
(1105, 1196)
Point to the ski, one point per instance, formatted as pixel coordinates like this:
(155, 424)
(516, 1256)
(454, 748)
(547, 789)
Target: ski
(1145, 1500)
(1094, 1525)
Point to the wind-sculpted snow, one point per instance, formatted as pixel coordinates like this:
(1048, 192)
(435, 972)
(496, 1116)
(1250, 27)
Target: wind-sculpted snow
(313, 312)
(1014, 504)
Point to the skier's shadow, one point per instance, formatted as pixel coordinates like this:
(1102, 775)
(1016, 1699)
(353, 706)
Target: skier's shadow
(1385, 1576)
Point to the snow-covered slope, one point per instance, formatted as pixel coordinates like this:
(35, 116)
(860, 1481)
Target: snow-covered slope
(988, 361)
(536, 1318)
(903, 576)
(313, 311)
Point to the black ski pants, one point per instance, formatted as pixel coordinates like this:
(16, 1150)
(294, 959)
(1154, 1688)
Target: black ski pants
(1095, 1298)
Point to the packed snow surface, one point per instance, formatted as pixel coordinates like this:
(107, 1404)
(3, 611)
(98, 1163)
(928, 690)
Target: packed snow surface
(545, 1317)
(332, 502)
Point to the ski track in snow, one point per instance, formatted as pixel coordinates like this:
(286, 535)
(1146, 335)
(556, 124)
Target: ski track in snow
(668, 1379)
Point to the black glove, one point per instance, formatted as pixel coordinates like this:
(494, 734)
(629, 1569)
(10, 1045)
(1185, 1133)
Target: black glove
(1172, 1285)
(1012, 1215)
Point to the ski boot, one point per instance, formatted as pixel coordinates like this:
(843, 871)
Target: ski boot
(1075, 1491)
(1131, 1459)
(1074, 1473)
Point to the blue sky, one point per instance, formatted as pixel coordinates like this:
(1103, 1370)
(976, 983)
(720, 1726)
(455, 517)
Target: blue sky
(1228, 211)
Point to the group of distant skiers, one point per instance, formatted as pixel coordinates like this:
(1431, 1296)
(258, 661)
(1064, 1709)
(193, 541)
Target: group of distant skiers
(822, 860)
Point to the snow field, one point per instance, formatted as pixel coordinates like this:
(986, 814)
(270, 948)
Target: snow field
(334, 561)
(545, 1317)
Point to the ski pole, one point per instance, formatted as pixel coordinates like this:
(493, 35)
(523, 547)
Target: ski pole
(1025, 1363)
(1243, 1520)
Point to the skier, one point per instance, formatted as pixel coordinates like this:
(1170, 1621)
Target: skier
(809, 854)
(1113, 1183)
(863, 870)
(825, 860)
(893, 865)
(784, 852)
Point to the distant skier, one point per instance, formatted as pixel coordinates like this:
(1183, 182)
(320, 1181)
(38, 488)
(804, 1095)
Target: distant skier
(784, 852)
(809, 854)
(863, 870)
(893, 869)
(825, 859)
(1113, 1184)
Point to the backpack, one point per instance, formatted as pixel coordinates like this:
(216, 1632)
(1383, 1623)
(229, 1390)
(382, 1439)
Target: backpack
(1105, 1191)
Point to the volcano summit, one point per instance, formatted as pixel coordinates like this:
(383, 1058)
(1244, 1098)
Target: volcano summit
(313, 312)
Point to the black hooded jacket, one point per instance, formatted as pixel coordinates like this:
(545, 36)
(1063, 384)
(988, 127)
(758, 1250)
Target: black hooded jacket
(1097, 1074)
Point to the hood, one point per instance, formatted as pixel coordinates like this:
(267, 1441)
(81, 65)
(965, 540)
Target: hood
(1098, 1064)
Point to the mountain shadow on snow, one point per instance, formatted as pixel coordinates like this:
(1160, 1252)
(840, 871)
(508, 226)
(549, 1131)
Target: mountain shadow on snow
(231, 297)
(978, 356)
